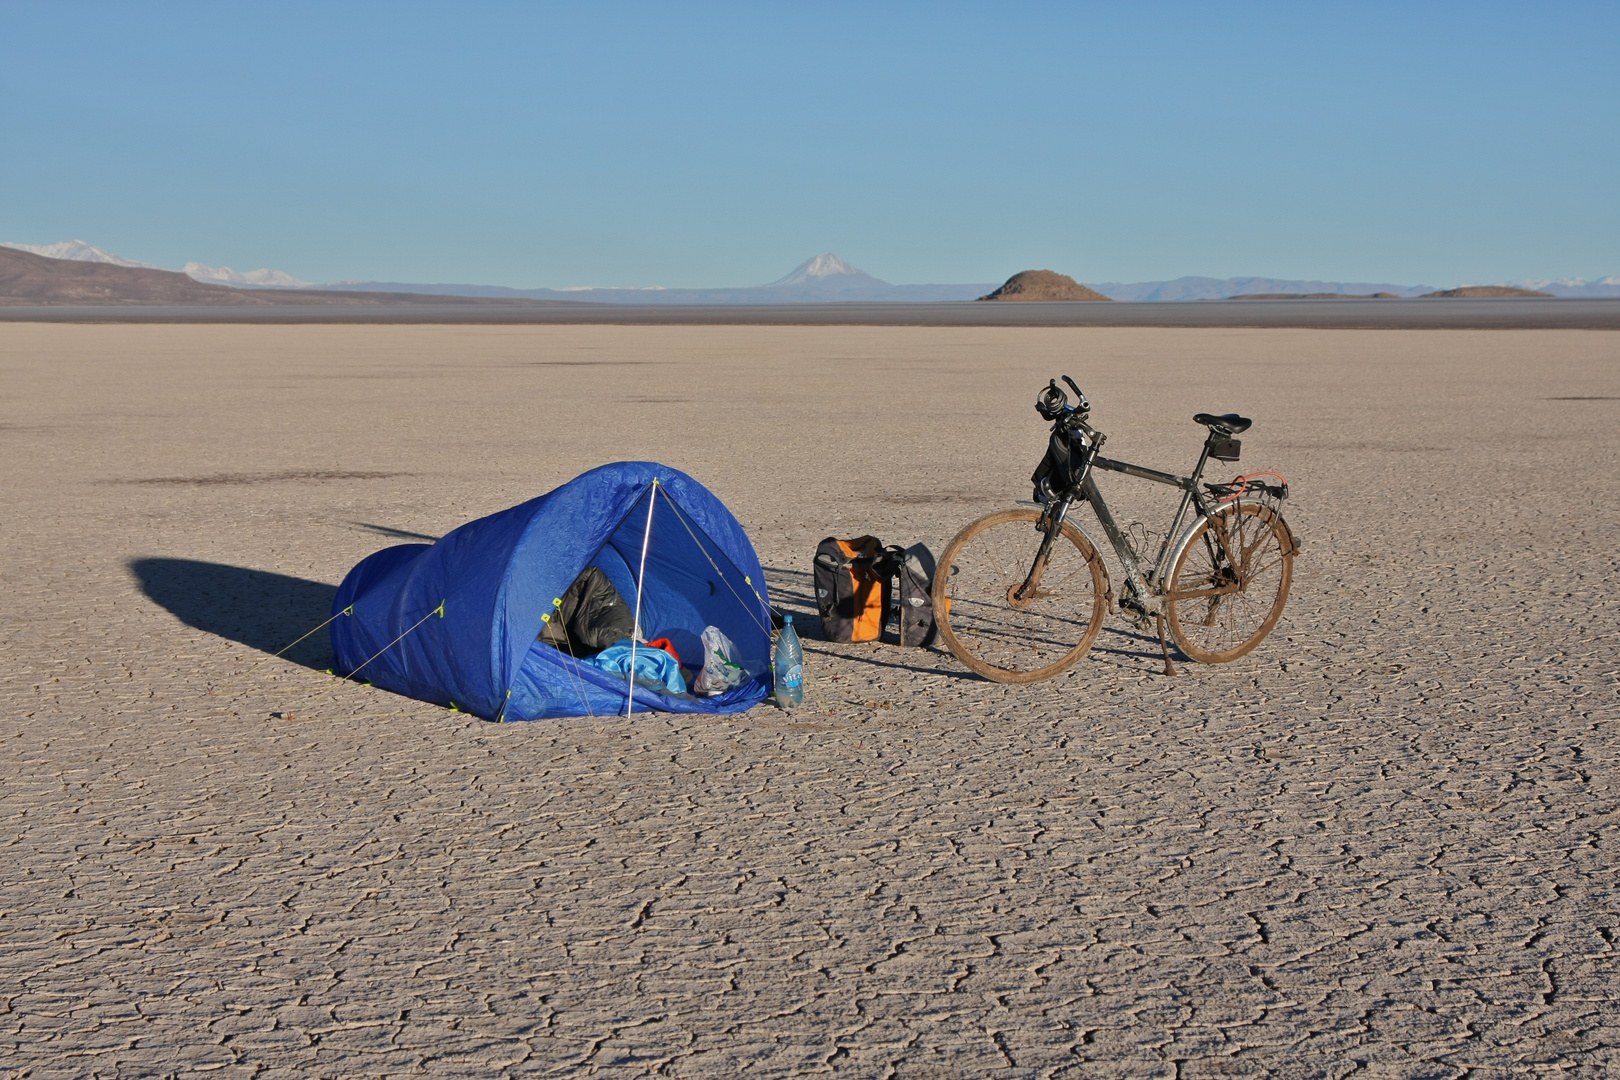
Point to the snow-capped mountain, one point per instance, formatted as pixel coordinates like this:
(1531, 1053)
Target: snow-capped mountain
(249, 279)
(828, 277)
(79, 251)
(825, 265)
(1609, 286)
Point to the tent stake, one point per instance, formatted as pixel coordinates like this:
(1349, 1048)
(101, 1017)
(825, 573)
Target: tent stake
(646, 535)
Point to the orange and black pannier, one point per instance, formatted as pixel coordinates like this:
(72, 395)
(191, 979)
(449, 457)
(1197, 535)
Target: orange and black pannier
(850, 580)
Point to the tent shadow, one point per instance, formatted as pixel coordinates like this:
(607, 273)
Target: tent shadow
(796, 598)
(259, 609)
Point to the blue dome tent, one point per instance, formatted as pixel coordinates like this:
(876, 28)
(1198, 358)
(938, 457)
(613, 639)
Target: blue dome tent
(457, 622)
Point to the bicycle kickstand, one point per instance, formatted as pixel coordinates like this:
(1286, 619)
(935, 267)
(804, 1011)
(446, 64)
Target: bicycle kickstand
(1169, 668)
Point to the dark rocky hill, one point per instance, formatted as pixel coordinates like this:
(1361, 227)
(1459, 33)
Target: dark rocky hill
(1043, 285)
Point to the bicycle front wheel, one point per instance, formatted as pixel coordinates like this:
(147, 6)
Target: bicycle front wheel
(993, 630)
(1230, 583)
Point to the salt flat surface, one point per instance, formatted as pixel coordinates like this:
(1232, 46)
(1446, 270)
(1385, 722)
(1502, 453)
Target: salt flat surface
(1383, 844)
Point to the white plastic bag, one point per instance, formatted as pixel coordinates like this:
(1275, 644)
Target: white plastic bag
(720, 671)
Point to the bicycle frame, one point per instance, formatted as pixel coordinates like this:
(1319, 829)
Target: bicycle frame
(1146, 589)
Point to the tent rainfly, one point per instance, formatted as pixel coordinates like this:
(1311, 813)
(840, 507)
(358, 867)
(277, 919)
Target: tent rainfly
(458, 622)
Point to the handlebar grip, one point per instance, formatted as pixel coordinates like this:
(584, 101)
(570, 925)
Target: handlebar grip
(1080, 398)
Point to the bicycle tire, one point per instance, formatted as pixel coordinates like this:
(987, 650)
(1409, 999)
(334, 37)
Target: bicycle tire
(1217, 627)
(982, 625)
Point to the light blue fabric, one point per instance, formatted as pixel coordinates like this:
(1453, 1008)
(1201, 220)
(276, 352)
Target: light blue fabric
(456, 622)
(655, 668)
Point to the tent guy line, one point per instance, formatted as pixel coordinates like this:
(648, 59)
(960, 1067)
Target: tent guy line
(232, 681)
(721, 574)
(439, 611)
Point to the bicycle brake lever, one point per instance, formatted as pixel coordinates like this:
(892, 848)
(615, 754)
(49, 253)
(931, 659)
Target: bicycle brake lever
(1080, 397)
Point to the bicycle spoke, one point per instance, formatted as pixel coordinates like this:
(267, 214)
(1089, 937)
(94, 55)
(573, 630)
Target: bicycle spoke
(1242, 553)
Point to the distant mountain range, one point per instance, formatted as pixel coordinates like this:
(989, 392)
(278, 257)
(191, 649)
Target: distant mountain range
(1203, 288)
(1603, 287)
(821, 279)
(251, 279)
(29, 279)
(79, 251)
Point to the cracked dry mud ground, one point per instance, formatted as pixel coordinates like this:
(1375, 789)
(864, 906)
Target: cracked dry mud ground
(1384, 844)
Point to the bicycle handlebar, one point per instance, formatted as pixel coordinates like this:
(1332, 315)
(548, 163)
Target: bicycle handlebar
(1053, 403)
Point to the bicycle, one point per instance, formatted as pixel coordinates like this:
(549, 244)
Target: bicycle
(1020, 595)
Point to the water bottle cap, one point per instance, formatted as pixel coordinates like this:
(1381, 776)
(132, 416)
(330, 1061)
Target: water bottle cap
(786, 619)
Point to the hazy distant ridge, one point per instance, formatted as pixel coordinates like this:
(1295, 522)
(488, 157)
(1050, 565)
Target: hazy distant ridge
(821, 279)
(249, 279)
(1603, 287)
(1204, 288)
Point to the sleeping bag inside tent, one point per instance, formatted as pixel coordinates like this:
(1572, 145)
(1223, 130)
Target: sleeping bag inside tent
(460, 622)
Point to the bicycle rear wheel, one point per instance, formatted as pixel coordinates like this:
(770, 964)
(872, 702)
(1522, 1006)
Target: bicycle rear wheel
(989, 628)
(1226, 596)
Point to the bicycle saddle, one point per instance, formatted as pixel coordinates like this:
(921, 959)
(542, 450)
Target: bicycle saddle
(1227, 424)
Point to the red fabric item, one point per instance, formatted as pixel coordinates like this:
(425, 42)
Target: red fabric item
(665, 644)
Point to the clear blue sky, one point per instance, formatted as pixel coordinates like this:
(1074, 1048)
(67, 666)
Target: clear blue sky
(720, 144)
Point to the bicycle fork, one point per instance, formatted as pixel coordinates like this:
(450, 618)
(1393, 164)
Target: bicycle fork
(1050, 524)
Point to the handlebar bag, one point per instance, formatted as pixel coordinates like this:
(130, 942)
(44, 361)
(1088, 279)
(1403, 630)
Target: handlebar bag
(1062, 467)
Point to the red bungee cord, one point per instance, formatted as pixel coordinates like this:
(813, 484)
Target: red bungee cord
(1244, 481)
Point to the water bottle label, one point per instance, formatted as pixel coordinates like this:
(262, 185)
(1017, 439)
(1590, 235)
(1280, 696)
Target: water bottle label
(794, 676)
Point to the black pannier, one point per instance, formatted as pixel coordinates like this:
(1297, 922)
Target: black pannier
(910, 599)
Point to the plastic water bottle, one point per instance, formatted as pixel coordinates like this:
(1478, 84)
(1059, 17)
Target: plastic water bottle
(789, 666)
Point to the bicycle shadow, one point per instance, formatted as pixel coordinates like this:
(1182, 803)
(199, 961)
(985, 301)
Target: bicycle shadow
(1132, 645)
(257, 608)
(396, 534)
(1115, 646)
(949, 673)
(797, 585)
